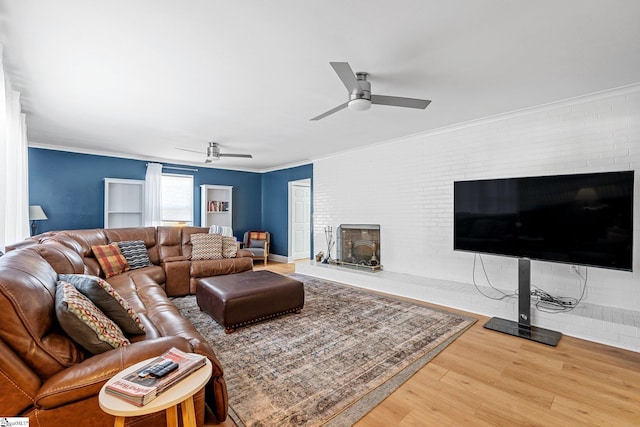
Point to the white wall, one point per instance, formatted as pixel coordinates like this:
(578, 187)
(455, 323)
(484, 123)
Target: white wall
(406, 186)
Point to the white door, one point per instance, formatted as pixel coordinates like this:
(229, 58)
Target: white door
(300, 220)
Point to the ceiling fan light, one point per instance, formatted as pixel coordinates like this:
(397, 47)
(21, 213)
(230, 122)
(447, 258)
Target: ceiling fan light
(359, 104)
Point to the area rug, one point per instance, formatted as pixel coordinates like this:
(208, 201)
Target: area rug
(331, 364)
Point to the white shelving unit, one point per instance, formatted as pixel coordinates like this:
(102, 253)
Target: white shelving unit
(123, 203)
(216, 207)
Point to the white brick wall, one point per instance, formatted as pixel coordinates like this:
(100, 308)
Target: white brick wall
(406, 186)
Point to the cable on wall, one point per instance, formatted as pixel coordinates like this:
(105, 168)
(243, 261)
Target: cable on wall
(503, 294)
(545, 302)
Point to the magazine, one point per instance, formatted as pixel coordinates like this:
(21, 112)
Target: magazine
(142, 386)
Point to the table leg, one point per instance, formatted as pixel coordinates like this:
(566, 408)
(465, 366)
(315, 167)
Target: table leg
(119, 422)
(172, 416)
(188, 412)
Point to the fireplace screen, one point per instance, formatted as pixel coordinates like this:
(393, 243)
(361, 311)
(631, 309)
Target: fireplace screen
(359, 245)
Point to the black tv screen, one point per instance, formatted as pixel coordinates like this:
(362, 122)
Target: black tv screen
(584, 219)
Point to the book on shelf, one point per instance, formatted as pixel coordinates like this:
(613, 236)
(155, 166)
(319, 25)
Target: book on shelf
(141, 387)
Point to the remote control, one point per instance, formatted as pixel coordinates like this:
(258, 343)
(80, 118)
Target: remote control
(163, 369)
(158, 367)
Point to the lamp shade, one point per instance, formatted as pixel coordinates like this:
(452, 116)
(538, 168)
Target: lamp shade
(36, 213)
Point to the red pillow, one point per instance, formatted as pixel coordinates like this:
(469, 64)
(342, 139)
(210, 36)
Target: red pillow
(110, 259)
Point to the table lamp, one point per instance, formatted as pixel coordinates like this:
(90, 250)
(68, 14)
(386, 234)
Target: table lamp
(36, 214)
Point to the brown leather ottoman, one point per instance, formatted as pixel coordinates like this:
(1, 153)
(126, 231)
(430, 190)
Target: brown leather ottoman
(239, 299)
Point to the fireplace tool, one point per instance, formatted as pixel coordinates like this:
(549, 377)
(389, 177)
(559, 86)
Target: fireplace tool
(328, 235)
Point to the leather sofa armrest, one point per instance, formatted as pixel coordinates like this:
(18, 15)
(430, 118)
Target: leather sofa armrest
(175, 258)
(177, 275)
(85, 379)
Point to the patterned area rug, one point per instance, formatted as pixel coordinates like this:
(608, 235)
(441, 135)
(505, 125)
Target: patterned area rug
(330, 365)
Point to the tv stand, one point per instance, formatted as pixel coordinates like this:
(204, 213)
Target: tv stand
(522, 328)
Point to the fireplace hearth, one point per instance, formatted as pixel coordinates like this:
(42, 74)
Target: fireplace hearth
(358, 245)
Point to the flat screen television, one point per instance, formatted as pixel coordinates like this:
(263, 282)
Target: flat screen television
(582, 219)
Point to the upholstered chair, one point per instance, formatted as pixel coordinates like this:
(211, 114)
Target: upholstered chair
(257, 242)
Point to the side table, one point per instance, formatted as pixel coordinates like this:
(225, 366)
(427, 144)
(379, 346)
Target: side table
(180, 393)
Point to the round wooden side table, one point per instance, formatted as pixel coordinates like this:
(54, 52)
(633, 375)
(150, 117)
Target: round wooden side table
(180, 393)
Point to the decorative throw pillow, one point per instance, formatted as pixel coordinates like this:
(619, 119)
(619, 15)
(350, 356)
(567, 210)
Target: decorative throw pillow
(206, 246)
(229, 247)
(256, 235)
(110, 259)
(102, 294)
(84, 322)
(135, 252)
(255, 243)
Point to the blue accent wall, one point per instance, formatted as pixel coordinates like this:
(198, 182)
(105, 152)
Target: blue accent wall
(275, 204)
(70, 189)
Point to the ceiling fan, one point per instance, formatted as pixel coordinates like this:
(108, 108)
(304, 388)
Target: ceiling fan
(213, 153)
(360, 96)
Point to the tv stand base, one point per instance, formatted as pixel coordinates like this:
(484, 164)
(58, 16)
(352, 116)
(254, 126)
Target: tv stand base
(533, 333)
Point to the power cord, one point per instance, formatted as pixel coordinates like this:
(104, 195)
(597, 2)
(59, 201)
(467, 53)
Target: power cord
(548, 303)
(503, 294)
(545, 301)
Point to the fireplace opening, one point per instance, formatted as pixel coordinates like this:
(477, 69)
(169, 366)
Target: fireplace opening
(358, 245)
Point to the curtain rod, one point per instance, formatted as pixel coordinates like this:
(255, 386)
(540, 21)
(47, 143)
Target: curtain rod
(177, 168)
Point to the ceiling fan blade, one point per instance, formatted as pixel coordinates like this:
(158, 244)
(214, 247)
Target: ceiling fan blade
(346, 74)
(333, 110)
(245, 156)
(193, 151)
(397, 101)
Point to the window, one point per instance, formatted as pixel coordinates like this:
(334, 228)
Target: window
(177, 199)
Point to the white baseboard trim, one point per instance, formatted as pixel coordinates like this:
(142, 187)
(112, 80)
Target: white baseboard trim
(278, 258)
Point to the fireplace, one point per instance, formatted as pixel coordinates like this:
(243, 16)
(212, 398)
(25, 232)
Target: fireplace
(358, 245)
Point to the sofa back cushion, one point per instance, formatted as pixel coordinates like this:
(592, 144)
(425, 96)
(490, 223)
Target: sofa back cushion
(146, 234)
(27, 314)
(62, 258)
(85, 239)
(169, 242)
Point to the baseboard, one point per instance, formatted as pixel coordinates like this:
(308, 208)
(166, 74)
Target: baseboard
(278, 258)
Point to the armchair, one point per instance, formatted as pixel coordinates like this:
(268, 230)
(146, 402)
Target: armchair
(257, 242)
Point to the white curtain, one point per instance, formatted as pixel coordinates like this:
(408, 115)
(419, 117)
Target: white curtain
(14, 174)
(153, 195)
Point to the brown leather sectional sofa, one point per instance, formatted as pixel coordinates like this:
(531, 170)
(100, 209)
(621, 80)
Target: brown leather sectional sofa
(46, 376)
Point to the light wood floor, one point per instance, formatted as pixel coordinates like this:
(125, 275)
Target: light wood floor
(486, 378)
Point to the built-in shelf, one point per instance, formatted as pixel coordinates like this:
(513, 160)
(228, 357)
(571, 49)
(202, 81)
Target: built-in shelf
(216, 205)
(123, 203)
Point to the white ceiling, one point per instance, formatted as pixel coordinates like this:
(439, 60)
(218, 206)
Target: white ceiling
(138, 78)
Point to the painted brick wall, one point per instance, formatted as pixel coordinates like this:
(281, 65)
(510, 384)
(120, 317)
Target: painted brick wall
(406, 186)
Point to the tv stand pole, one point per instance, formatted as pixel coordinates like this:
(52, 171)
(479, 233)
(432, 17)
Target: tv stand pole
(522, 328)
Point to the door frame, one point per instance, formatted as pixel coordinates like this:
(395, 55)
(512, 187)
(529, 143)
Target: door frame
(300, 183)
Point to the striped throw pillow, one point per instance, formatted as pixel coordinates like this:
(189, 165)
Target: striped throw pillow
(229, 247)
(135, 252)
(206, 246)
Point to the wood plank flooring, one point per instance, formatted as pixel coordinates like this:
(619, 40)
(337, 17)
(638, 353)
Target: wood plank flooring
(486, 378)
